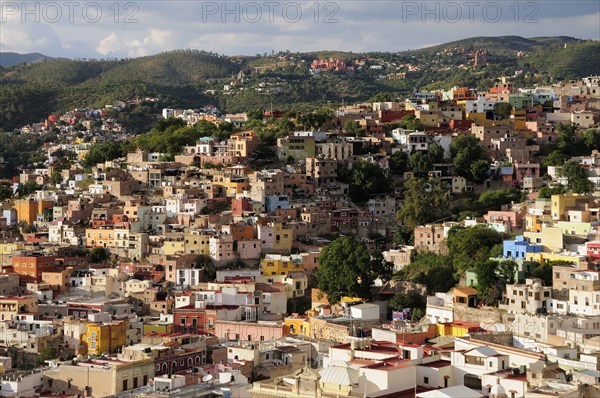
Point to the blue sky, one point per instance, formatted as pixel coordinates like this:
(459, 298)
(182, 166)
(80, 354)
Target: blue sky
(109, 28)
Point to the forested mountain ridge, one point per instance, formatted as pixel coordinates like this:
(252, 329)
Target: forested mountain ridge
(192, 78)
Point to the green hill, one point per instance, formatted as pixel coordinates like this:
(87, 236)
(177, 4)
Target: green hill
(9, 58)
(30, 92)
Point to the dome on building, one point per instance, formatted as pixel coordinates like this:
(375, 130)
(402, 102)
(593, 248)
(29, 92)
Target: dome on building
(498, 391)
(339, 374)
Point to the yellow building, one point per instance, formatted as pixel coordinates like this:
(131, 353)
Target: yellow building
(242, 144)
(173, 246)
(7, 250)
(456, 329)
(561, 203)
(480, 119)
(197, 243)
(158, 327)
(541, 258)
(575, 228)
(276, 264)
(297, 325)
(519, 118)
(284, 238)
(232, 184)
(551, 238)
(105, 337)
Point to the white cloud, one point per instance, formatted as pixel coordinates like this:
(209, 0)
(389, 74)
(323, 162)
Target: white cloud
(361, 26)
(111, 44)
(155, 41)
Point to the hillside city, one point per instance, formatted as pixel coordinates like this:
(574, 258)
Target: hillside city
(446, 244)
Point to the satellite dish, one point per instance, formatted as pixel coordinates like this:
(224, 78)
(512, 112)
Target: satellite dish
(207, 378)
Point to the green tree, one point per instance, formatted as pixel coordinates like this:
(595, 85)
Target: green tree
(468, 246)
(410, 122)
(567, 139)
(506, 271)
(398, 162)
(577, 177)
(434, 271)
(172, 122)
(285, 125)
(368, 179)
(381, 97)
(46, 354)
(547, 192)
(208, 265)
(108, 150)
(544, 272)
(255, 114)
(98, 255)
(206, 128)
(494, 199)
(354, 128)
(225, 126)
(465, 150)
(5, 192)
(346, 268)
(503, 109)
(480, 170)
(411, 300)
(486, 275)
(420, 163)
(591, 139)
(424, 201)
(403, 235)
(56, 178)
(28, 188)
(435, 153)
(555, 158)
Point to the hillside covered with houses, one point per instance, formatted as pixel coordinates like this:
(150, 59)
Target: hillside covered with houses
(433, 242)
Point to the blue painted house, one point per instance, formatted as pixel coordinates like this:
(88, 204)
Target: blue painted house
(517, 249)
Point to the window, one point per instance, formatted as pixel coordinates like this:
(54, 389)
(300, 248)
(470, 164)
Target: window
(425, 380)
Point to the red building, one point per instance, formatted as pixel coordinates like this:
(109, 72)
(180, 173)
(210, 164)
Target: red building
(194, 320)
(593, 250)
(460, 124)
(240, 205)
(388, 116)
(273, 114)
(30, 268)
(464, 93)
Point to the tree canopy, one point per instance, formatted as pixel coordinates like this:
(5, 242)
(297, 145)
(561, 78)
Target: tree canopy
(577, 177)
(347, 268)
(368, 179)
(468, 246)
(465, 150)
(424, 201)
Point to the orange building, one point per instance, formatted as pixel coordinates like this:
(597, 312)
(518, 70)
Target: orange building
(58, 278)
(100, 237)
(28, 210)
(31, 268)
(239, 231)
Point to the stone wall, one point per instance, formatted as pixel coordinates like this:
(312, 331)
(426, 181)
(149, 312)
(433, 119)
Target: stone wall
(478, 315)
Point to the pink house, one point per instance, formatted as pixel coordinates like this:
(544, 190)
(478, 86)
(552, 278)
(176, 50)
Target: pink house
(512, 218)
(261, 331)
(249, 249)
(527, 170)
